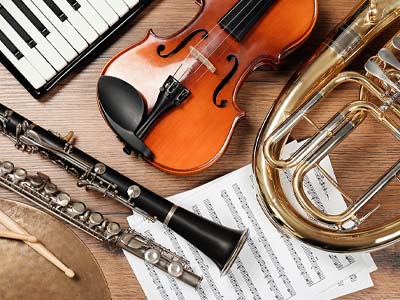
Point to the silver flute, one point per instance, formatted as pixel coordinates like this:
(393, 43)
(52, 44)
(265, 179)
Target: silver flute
(220, 243)
(39, 190)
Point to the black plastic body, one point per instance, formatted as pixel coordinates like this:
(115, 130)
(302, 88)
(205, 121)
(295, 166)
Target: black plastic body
(220, 243)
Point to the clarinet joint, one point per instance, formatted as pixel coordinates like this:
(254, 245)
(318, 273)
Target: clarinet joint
(39, 190)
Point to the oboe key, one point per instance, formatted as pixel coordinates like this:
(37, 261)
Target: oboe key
(6, 168)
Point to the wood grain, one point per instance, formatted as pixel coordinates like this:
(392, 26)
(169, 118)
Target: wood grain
(199, 119)
(72, 106)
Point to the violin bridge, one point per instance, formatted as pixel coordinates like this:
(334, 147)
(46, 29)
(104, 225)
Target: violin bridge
(202, 59)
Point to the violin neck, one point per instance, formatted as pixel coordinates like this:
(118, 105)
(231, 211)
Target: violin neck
(243, 16)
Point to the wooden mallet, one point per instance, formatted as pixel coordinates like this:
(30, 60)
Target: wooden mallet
(10, 224)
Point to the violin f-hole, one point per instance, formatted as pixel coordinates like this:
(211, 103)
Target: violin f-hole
(223, 103)
(182, 44)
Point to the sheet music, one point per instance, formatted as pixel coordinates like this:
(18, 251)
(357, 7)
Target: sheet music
(271, 264)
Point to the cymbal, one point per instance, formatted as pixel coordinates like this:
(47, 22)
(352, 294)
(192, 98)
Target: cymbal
(24, 274)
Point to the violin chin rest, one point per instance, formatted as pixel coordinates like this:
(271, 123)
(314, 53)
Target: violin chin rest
(129, 137)
(121, 102)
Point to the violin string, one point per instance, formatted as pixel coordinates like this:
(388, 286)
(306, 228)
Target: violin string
(219, 45)
(217, 36)
(223, 41)
(236, 27)
(196, 46)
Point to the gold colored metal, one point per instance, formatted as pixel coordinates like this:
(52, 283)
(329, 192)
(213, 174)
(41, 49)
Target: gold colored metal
(321, 74)
(335, 184)
(373, 11)
(311, 122)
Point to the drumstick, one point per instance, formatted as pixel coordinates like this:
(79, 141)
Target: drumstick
(16, 236)
(10, 224)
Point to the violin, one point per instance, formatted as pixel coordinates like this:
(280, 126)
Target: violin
(189, 81)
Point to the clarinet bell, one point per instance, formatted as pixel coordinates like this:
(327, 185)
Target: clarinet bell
(220, 243)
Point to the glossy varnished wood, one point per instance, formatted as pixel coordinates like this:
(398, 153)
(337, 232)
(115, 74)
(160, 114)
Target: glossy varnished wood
(195, 135)
(72, 106)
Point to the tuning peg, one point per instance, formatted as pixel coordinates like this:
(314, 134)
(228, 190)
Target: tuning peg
(388, 57)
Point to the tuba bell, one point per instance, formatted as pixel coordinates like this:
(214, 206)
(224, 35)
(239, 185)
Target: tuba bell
(379, 98)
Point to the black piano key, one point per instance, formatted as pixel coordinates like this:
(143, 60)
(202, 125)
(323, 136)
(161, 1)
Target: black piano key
(75, 5)
(31, 17)
(15, 25)
(13, 49)
(56, 10)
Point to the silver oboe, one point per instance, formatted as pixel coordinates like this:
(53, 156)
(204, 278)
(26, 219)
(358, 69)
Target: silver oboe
(39, 190)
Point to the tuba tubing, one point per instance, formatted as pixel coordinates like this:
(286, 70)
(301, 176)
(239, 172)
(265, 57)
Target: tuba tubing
(345, 42)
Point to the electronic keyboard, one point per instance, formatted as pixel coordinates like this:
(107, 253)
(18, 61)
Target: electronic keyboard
(43, 40)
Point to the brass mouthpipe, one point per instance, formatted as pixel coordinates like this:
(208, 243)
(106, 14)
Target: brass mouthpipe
(346, 41)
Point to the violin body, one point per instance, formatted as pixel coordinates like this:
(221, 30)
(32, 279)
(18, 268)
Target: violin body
(195, 134)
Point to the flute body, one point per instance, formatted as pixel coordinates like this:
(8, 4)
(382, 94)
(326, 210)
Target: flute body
(220, 243)
(39, 190)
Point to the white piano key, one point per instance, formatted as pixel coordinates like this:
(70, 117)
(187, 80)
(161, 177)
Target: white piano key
(77, 21)
(24, 67)
(131, 3)
(43, 46)
(65, 28)
(92, 17)
(119, 7)
(105, 11)
(31, 54)
(54, 37)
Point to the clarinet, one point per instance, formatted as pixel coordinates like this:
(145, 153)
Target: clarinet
(39, 190)
(221, 244)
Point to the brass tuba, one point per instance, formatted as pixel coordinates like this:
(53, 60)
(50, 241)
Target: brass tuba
(315, 80)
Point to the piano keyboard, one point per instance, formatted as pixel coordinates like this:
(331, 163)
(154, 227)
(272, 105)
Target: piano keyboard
(42, 40)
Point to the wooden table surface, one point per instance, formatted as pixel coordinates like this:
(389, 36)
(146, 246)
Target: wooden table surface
(72, 106)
